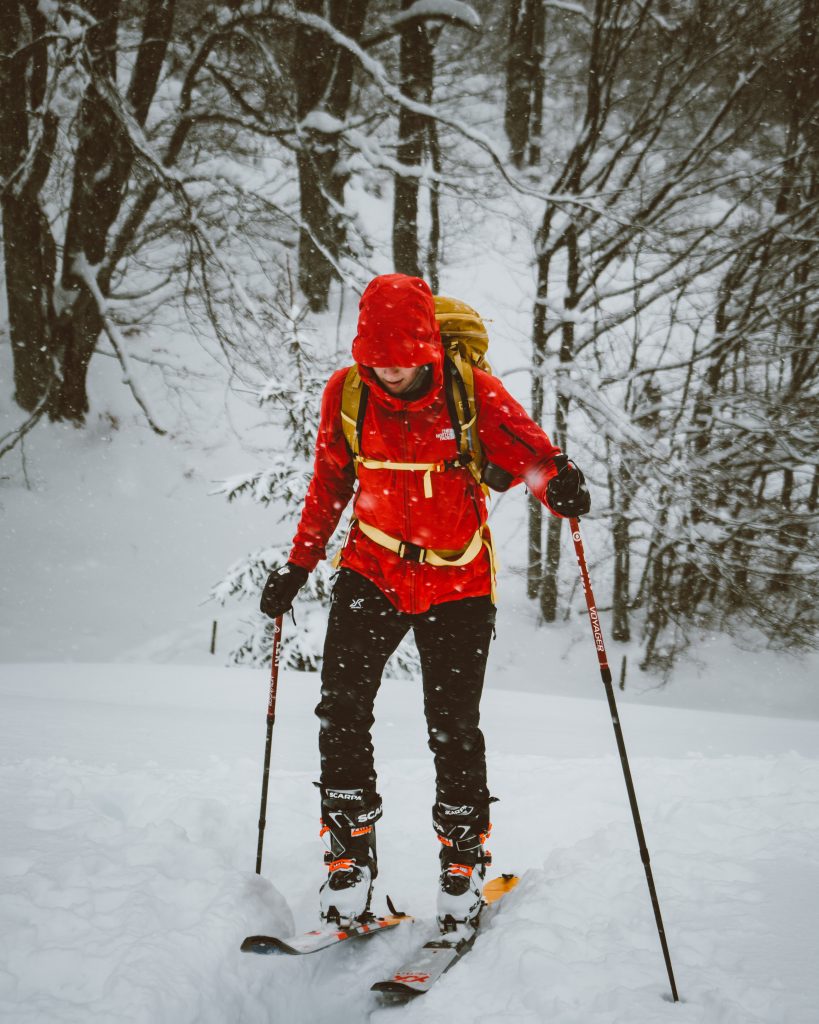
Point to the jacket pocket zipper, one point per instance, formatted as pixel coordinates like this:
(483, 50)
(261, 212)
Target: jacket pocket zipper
(514, 436)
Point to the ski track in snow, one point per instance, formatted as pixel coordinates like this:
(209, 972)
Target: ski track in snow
(129, 798)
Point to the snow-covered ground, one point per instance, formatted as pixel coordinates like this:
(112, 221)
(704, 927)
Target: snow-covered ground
(129, 800)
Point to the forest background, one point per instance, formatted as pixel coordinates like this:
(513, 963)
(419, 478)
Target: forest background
(195, 194)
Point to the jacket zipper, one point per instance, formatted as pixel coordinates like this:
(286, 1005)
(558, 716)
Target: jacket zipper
(405, 479)
(514, 436)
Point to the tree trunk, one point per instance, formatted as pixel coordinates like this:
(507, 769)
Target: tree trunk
(316, 244)
(29, 250)
(536, 84)
(524, 80)
(548, 588)
(434, 243)
(323, 77)
(102, 168)
(620, 488)
(534, 570)
(417, 70)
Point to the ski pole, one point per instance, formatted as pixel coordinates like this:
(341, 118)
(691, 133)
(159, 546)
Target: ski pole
(271, 718)
(605, 672)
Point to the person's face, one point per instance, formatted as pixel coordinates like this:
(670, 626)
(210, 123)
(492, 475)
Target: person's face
(397, 379)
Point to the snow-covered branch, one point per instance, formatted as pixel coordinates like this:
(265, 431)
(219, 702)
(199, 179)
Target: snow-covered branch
(87, 274)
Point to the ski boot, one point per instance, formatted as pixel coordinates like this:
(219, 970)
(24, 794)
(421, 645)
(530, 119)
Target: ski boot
(348, 818)
(462, 831)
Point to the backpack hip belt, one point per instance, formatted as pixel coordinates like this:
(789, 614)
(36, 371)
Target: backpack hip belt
(414, 553)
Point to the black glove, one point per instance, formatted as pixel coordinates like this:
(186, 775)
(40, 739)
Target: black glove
(281, 587)
(567, 493)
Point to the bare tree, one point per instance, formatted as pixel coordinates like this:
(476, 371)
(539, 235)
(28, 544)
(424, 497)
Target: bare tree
(626, 199)
(113, 177)
(418, 136)
(322, 72)
(741, 542)
(103, 164)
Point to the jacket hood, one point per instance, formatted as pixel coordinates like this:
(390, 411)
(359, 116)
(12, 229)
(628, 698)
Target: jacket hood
(397, 327)
(396, 323)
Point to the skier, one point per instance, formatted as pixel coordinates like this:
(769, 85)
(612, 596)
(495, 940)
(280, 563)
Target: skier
(418, 556)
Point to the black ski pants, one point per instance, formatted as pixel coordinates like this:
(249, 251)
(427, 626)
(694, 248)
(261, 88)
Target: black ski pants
(453, 642)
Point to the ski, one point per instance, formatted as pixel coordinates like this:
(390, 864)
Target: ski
(320, 938)
(436, 957)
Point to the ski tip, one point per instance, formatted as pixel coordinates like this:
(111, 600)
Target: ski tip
(395, 991)
(265, 944)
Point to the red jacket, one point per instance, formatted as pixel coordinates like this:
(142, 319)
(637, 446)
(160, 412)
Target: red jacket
(397, 328)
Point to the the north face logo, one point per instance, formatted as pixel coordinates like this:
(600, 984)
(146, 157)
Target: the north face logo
(447, 434)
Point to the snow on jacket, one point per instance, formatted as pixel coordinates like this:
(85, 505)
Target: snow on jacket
(397, 327)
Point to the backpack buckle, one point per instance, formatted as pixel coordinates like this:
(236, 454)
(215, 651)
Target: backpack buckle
(412, 552)
(461, 461)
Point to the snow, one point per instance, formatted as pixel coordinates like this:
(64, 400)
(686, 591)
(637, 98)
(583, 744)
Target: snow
(452, 9)
(321, 121)
(48, 8)
(130, 794)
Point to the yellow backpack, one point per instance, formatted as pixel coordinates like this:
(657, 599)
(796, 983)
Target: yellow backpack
(465, 342)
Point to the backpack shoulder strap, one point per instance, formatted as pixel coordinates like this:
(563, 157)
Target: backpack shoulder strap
(459, 388)
(354, 397)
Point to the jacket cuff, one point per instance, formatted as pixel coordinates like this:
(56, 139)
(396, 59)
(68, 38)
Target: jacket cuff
(305, 558)
(538, 475)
